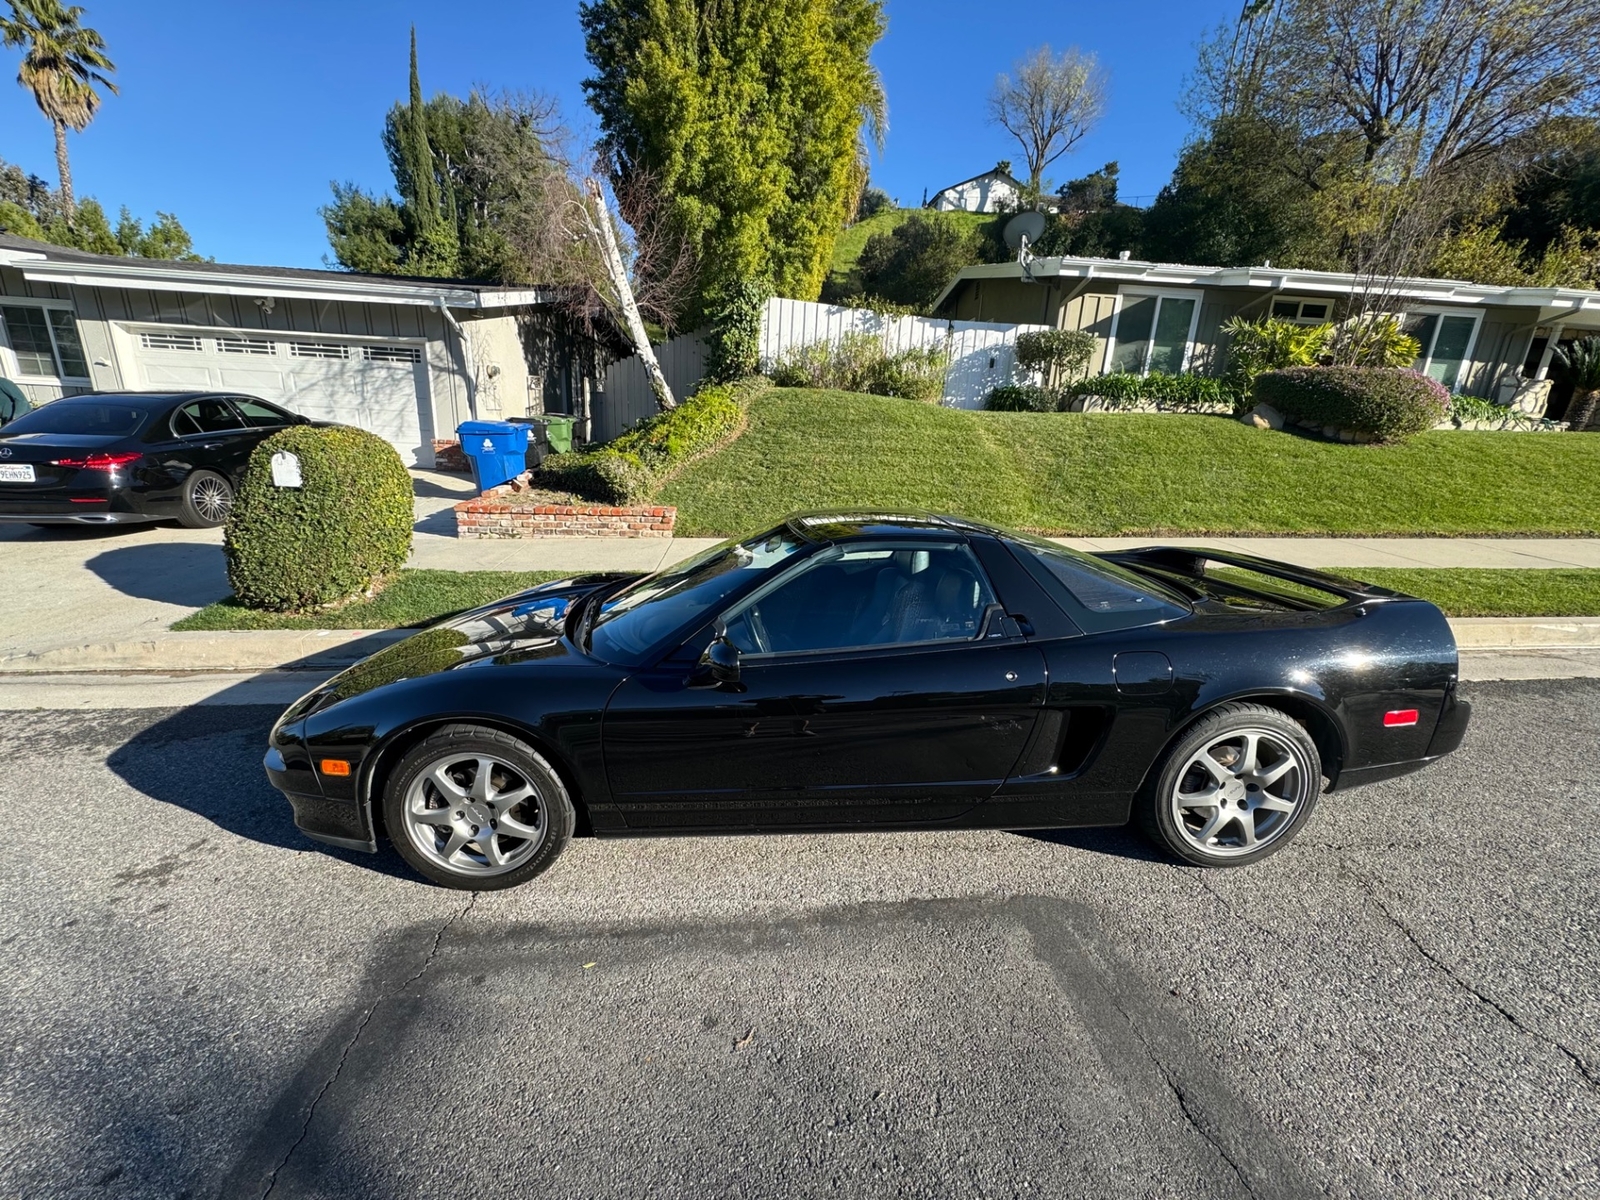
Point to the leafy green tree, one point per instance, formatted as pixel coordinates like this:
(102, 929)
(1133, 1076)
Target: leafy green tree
(62, 61)
(30, 208)
(747, 123)
(912, 263)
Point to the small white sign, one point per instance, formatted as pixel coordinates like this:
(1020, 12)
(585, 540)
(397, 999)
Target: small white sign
(285, 470)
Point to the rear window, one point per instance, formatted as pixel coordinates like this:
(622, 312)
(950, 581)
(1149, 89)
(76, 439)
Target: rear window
(107, 418)
(1097, 595)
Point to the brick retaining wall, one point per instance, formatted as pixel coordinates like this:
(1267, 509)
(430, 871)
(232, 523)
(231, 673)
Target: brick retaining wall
(490, 517)
(448, 456)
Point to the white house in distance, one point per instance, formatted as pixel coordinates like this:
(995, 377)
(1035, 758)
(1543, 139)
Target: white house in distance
(996, 190)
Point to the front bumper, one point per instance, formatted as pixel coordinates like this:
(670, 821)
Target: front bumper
(337, 822)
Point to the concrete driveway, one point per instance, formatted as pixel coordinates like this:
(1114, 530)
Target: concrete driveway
(68, 586)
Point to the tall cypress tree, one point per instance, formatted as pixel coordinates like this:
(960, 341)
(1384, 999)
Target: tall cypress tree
(435, 246)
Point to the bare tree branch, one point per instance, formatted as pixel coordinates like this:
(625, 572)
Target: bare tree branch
(1050, 106)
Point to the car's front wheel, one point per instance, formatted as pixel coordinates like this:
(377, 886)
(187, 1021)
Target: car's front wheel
(207, 500)
(475, 808)
(1235, 788)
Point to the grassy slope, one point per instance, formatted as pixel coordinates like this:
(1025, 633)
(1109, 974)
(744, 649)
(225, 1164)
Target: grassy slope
(1496, 593)
(1102, 474)
(412, 598)
(854, 239)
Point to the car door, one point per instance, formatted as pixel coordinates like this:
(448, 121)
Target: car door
(877, 686)
(214, 437)
(261, 418)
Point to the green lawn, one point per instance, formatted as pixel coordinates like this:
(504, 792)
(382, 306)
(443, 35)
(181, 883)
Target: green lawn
(1469, 592)
(412, 598)
(1106, 474)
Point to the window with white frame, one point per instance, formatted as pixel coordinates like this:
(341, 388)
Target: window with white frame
(1302, 311)
(1446, 337)
(1152, 332)
(45, 341)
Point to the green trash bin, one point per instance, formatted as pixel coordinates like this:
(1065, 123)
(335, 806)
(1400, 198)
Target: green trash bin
(558, 432)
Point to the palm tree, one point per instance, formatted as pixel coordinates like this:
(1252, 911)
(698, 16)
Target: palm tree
(61, 63)
(1580, 363)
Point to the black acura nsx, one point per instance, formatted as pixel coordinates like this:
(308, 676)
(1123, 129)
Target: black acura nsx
(871, 671)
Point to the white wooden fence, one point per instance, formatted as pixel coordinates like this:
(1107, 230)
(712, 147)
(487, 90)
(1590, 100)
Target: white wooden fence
(982, 356)
(982, 353)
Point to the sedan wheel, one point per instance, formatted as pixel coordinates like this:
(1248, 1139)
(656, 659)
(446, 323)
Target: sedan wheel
(1235, 788)
(207, 500)
(475, 808)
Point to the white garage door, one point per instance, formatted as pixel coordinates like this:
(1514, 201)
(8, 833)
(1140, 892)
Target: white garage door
(382, 387)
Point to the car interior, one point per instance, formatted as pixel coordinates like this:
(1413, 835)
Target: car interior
(867, 597)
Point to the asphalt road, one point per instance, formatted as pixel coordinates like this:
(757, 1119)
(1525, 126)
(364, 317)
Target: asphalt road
(195, 1002)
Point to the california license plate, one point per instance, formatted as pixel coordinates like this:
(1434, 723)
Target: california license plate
(16, 473)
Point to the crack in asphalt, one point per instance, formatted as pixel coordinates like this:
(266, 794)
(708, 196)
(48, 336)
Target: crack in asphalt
(355, 1037)
(1183, 1107)
(1239, 914)
(1472, 989)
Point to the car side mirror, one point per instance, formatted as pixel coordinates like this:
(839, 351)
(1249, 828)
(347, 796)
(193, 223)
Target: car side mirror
(718, 665)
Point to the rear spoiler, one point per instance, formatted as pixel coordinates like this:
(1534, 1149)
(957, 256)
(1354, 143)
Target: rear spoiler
(1190, 562)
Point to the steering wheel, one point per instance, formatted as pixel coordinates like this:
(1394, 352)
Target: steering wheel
(758, 630)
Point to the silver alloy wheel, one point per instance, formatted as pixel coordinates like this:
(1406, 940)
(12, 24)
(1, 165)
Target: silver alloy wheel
(474, 814)
(213, 498)
(1240, 791)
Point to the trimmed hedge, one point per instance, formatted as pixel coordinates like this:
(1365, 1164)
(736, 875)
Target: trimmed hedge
(1023, 398)
(1389, 403)
(627, 470)
(1173, 393)
(347, 526)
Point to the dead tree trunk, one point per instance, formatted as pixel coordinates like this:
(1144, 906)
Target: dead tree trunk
(617, 274)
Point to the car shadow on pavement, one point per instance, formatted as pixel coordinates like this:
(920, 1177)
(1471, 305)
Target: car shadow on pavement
(192, 574)
(207, 758)
(1121, 841)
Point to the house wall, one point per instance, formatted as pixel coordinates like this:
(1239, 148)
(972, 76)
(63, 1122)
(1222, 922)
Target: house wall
(1501, 346)
(986, 194)
(502, 368)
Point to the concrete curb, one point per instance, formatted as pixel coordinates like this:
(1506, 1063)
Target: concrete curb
(324, 649)
(235, 650)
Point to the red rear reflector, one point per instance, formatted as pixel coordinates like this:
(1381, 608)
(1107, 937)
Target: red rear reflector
(98, 462)
(1400, 716)
(89, 500)
(335, 766)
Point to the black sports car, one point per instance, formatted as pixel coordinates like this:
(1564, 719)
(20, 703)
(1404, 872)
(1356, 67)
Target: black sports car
(107, 458)
(876, 671)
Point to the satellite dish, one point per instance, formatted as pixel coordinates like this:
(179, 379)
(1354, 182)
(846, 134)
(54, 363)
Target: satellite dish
(1028, 225)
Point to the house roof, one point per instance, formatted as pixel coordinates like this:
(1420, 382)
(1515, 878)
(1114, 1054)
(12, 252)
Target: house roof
(1551, 302)
(994, 172)
(45, 263)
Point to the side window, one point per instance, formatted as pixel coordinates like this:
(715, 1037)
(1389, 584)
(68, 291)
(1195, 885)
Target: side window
(205, 416)
(258, 414)
(1097, 595)
(867, 596)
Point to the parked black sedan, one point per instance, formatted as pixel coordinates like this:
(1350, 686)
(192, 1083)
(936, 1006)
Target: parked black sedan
(876, 671)
(109, 458)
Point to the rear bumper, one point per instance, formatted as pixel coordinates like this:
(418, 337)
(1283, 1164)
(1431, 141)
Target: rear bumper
(339, 823)
(1448, 735)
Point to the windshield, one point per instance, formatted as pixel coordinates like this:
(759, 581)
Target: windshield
(636, 620)
(1096, 594)
(104, 417)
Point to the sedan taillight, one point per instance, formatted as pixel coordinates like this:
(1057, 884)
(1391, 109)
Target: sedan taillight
(98, 462)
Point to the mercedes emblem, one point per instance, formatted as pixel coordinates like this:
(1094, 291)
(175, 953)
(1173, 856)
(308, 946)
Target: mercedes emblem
(5, 451)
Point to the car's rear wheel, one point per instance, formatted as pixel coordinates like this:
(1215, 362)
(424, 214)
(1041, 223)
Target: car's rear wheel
(475, 808)
(207, 500)
(1235, 788)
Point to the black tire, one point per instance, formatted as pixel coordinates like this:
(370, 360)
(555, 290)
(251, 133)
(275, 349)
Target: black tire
(207, 500)
(424, 823)
(1251, 818)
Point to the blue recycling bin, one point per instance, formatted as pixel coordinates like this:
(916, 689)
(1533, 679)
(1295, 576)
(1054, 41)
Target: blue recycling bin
(497, 450)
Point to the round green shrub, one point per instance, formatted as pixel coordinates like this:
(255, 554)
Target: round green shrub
(1389, 403)
(344, 529)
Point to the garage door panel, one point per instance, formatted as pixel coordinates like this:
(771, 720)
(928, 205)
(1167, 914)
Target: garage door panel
(379, 389)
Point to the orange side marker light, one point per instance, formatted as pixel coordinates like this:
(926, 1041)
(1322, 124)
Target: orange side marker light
(335, 766)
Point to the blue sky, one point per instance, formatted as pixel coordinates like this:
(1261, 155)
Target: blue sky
(237, 115)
